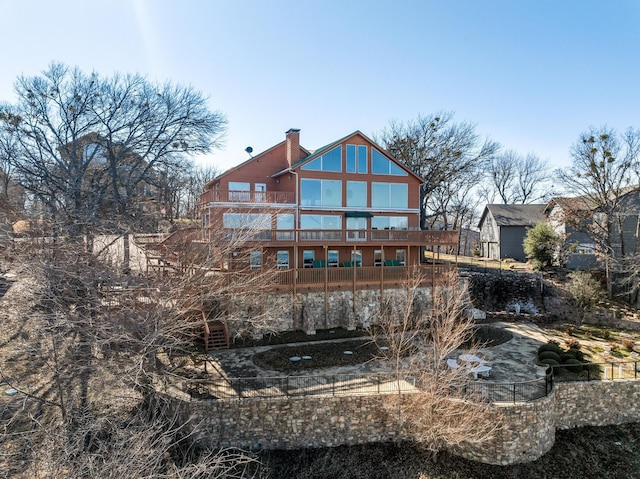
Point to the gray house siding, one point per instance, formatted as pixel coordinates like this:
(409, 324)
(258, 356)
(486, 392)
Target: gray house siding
(511, 238)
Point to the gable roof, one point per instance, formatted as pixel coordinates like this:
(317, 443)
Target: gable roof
(320, 151)
(253, 158)
(515, 215)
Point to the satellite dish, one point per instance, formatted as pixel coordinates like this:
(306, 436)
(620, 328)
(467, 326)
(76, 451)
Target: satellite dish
(249, 150)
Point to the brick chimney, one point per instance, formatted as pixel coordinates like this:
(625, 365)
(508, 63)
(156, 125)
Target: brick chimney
(293, 146)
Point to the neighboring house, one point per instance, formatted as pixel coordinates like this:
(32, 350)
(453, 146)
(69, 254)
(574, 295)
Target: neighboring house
(571, 219)
(347, 205)
(504, 227)
(575, 218)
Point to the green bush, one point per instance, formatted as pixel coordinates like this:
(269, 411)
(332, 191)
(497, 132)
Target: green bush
(566, 356)
(573, 365)
(549, 362)
(549, 355)
(576, 353)
(550, 347)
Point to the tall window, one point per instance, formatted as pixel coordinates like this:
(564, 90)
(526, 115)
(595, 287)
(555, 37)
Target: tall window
(320, 192)
(255, 259)
(356, 159)
(389, 195)
(284, 221)
(283, 260)
(401, 256)
(329, 161)
(354, 224)
(356, 257)
(307, 258)
(377, 257)
(381, 165)
(357, 194)
(333, 258)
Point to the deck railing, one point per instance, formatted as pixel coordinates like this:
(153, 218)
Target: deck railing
(266, 237)
(314, 277)
(249, 197)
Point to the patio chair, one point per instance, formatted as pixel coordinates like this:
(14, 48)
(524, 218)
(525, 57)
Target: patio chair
(453, 364)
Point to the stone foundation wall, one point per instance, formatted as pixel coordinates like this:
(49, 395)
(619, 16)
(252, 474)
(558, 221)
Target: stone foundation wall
(307, 311)
(312, 422)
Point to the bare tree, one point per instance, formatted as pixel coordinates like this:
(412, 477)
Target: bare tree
(438, 150)
(420, 338)
(515, 179)
(91, 352)
(605, 168)
(88, 147)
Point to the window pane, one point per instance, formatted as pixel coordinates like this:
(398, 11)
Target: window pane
(356, 223)
(284, 222)
(307, 258)
(357, 193)
(310, 222)
(351, 158)
(379, 163)
(396, 170)
(362, 159)
(238, 186)
(331, 193)
(332, 160)
(399, 222)
(255, 259)
(315, 165)
(333, 258)
(310, 192)
(331, 222)
(398, 195)
(379, 195)
(247, 220)
(283, 259)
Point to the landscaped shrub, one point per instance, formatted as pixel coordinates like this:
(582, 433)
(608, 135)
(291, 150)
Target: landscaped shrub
(573, 365)
(576, 353)
(549, 362)
(566, 356)
(549, 355)
(550, 347)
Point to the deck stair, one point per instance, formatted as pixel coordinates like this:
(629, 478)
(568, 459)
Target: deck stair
(216, 336)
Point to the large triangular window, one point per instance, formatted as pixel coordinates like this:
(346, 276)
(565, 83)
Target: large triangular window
(381, 165)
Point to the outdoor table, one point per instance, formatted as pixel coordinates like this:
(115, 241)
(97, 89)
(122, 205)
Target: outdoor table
(482, 370)
(470, 358)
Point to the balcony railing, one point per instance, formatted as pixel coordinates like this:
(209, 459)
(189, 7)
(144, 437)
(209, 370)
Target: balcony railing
(362, 275)
(259, 197)
(307, 237)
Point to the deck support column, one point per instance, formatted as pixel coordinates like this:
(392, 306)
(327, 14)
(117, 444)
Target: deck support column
(326, 287)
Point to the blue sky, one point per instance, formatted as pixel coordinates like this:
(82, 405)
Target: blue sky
(530, 74)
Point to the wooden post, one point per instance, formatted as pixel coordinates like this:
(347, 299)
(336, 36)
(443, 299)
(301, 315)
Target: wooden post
(326, 287)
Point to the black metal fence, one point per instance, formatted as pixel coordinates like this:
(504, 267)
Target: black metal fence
(355, 385)
(606, 371)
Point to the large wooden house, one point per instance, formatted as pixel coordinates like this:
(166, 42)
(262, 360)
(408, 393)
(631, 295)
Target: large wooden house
(345, 215)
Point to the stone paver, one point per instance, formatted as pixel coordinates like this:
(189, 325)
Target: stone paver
(512, 361)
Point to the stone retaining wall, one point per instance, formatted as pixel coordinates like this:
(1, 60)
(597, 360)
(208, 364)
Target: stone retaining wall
(318, 421)
(308, 314)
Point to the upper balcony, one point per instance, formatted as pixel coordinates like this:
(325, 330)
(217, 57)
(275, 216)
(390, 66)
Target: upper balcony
(248, 197)
(281, 238)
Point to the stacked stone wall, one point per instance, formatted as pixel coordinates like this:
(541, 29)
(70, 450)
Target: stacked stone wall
(318, 421)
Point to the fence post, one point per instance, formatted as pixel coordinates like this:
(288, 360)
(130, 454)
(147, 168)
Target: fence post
(514, 392)
(333, 386)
